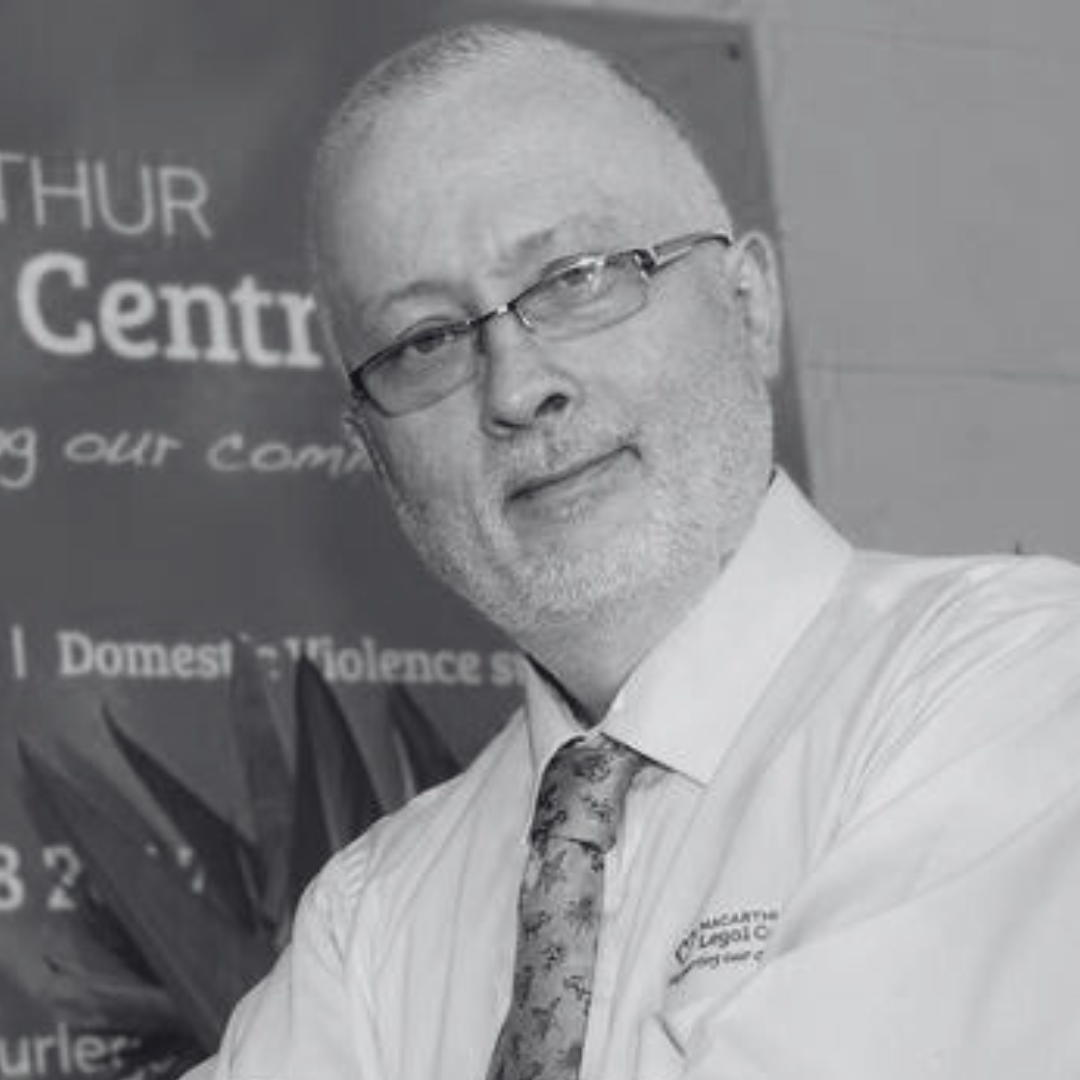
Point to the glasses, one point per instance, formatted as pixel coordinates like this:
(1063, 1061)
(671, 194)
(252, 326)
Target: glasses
(574, 297)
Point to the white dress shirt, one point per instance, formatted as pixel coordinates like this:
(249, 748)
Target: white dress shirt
(860, 860)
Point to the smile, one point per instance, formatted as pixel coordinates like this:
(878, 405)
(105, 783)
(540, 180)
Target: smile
(578, 480)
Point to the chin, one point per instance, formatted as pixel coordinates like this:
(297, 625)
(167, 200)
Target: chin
(676, 540)
(547, 590)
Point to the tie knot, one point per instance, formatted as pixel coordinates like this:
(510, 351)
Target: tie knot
(583, 792)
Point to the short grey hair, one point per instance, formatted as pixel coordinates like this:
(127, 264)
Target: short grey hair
(423, 65)
(425, 62)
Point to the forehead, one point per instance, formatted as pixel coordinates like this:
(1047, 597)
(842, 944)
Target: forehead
(465, 173)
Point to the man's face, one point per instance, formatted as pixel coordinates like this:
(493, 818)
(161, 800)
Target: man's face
(570, 476)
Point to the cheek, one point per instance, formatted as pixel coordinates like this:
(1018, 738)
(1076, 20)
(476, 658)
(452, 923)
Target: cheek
(682, 365)
(424, 467)
(708, 401)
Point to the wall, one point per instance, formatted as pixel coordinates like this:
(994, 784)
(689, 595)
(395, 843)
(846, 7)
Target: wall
(925, 165)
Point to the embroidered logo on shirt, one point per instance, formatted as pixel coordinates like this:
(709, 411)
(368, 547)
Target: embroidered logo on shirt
(729, 938)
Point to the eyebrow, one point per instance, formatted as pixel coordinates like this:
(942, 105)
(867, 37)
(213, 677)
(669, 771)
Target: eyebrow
(370, 311)
(523, 248)
(526, 247)
(572, 231)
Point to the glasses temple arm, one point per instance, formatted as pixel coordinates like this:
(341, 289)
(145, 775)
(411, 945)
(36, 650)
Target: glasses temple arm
(661, 255)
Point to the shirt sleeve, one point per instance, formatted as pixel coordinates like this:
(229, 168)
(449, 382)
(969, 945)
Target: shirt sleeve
(306, 1019)
(937, 935)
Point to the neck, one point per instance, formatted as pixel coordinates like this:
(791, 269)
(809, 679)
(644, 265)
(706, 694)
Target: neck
(590, 657)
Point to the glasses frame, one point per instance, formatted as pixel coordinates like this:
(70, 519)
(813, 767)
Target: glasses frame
(649, 260)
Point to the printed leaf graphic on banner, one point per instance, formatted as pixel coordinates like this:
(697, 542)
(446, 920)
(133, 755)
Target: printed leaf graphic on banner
(428, 755)
(103, 945)
(335, 794)
(109, 999)
(172, 925)
(265, 775)
(174, 932)
(218, 849)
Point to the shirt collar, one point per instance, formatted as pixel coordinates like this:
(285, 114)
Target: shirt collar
(683, 704)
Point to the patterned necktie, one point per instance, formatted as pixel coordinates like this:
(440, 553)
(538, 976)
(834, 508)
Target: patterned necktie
(576, 821)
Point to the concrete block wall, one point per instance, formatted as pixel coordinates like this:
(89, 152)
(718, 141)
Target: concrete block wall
(926, 168)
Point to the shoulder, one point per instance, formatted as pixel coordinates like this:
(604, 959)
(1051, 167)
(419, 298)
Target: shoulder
(934, 618)
(1013, 585)
(982, 616)
(988, 657)
(949, 588)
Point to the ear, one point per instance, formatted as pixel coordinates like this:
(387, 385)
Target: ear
(756, 283)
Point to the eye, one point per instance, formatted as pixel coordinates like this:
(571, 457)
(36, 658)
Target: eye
(584, 276)
(581, 284)
(430, 342)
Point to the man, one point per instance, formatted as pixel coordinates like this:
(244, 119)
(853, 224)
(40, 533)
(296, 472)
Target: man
(833, 796)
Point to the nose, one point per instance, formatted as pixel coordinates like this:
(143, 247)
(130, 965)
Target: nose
(521, 384)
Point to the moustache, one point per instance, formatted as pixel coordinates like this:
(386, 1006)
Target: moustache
(550, 460)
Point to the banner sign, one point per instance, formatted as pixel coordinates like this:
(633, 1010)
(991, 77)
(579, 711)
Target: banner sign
(175, 490)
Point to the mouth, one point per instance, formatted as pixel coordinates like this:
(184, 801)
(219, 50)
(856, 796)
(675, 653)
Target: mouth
(576, 478)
